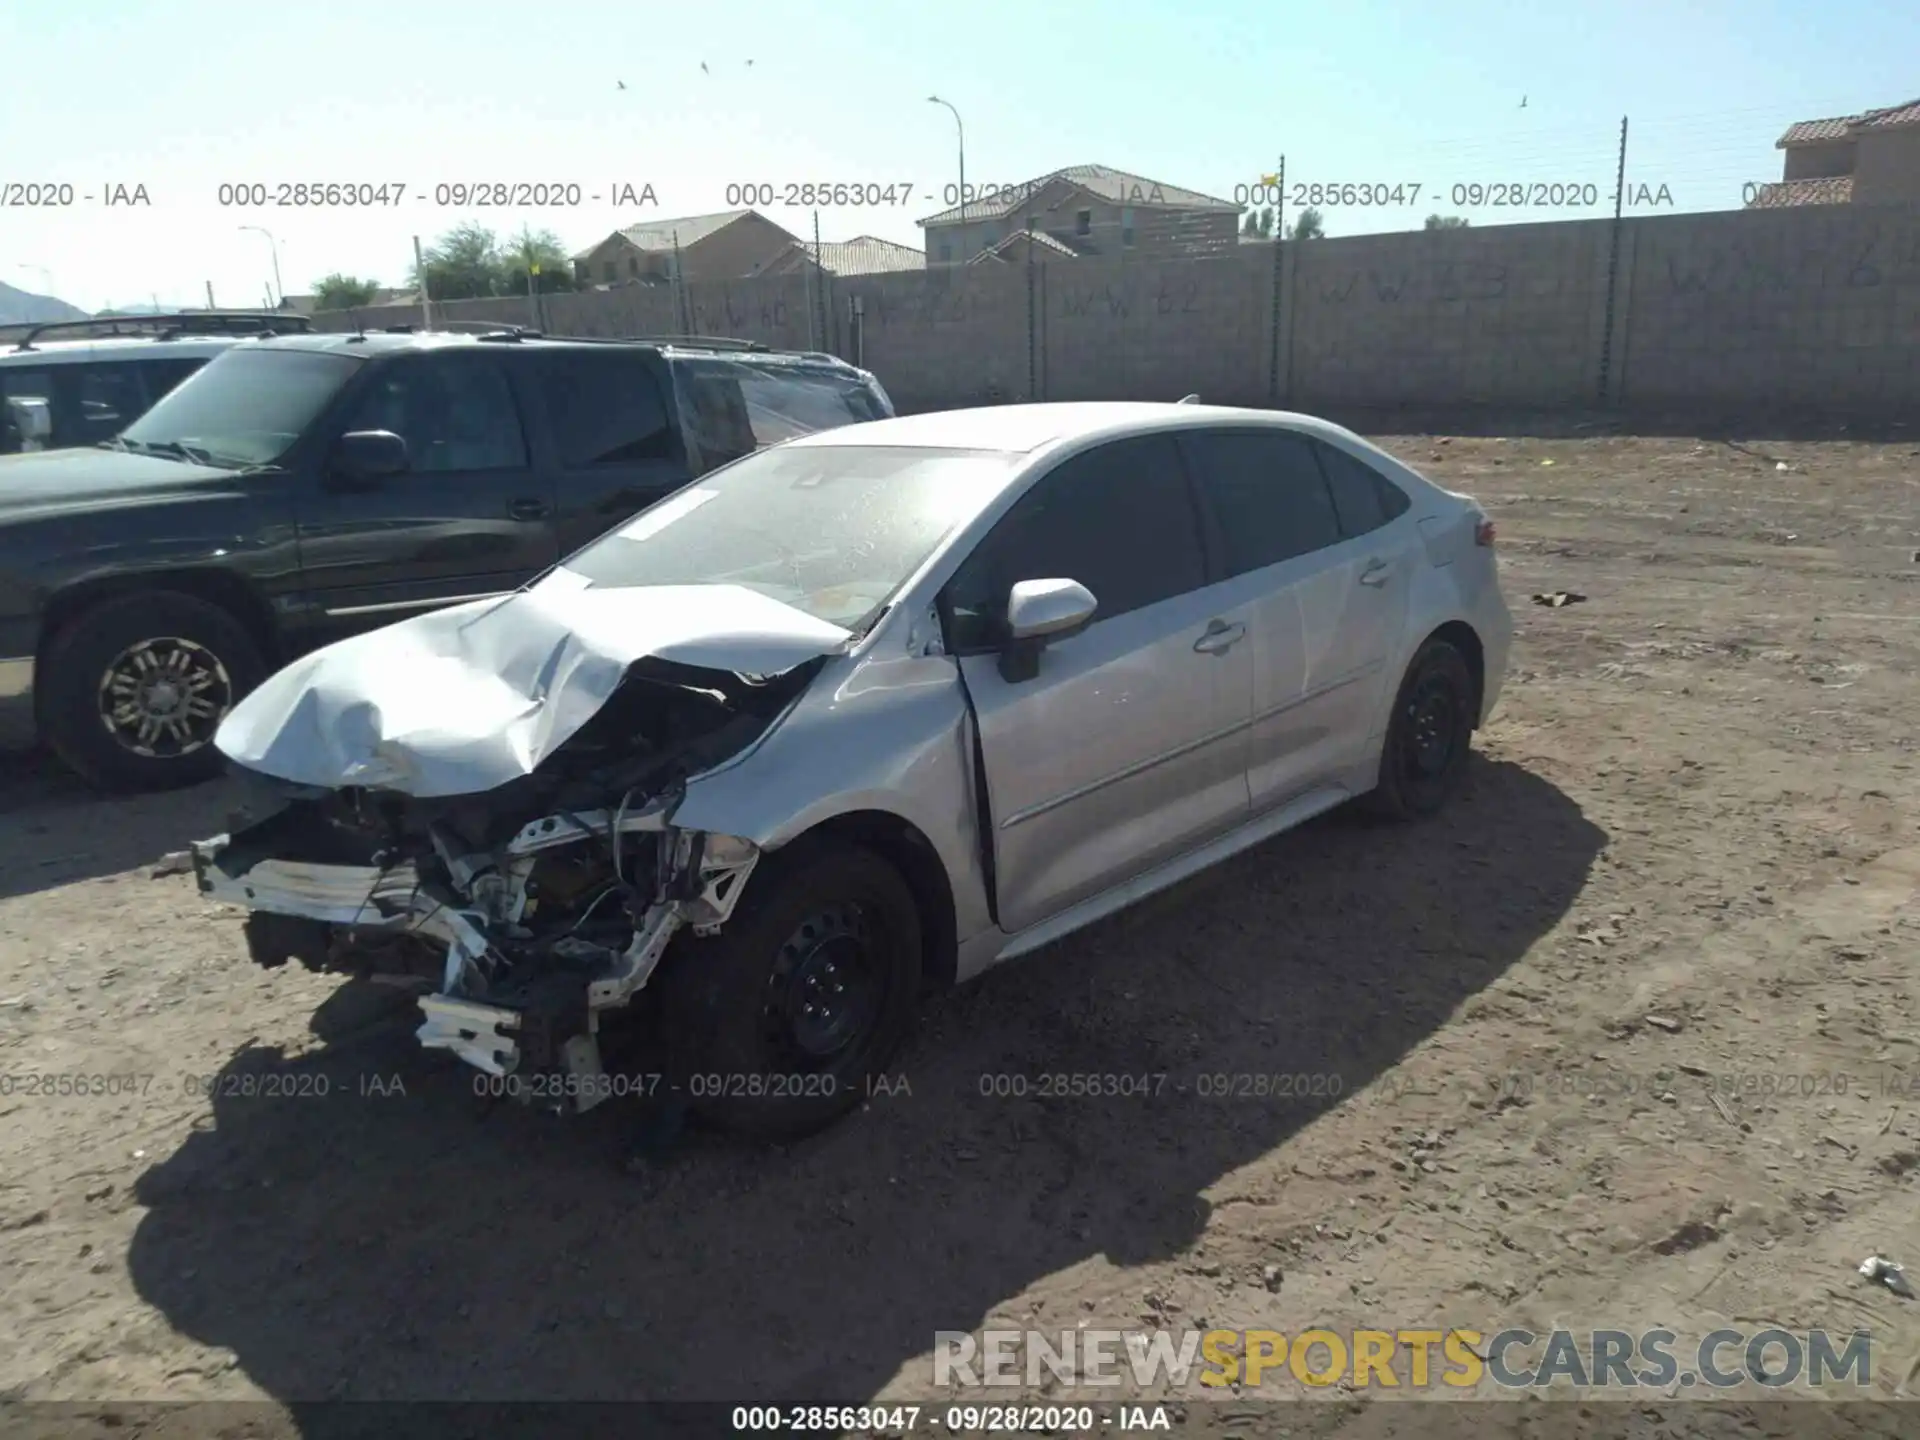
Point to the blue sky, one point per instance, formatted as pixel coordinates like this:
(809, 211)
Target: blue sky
(1207, 94)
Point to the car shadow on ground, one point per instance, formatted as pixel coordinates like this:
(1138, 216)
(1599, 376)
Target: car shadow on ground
(56, 829)
(371, 1244)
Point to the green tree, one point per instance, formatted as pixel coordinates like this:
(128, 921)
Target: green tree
(1309, 226)
(464, 264)
(1446, 222)
(535, 248)
(343, 292)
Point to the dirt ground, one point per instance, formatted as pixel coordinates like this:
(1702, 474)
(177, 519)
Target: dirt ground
(1630, 1037)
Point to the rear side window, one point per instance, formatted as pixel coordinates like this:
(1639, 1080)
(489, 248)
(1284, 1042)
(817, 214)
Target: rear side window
(605, 409)
(20, 383)
(1363, 497)
(734, 407)
(1268, 497)
(1119, 519)
(109, 398)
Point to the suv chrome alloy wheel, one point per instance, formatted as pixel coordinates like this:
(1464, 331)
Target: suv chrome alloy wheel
(164, 697)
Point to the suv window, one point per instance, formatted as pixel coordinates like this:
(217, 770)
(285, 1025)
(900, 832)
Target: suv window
(162, 375)
(736, 406)
(107, 399)
(605, 409)
(454, 414)
(1363, 497)
(1118, 518)
(1266, 492)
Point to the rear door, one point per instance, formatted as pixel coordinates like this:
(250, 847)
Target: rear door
(1286, 560)
(607, 437)
(1127, 747)
(471, 516)
(1379, 550)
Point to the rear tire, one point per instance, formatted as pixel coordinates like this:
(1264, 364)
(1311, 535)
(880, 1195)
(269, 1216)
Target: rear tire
(134, 689)
(1429, 735)
(779, 1024)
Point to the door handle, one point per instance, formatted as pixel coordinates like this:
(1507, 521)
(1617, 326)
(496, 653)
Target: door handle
(1378, 572)
(1220, 637)
(528, 509)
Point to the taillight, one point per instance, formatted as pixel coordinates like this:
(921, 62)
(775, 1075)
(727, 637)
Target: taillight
(1483, 532)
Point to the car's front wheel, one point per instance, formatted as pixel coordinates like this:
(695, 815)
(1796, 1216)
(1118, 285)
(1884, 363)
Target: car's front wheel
(787, 1018)
(1429, 735)
(133, 689)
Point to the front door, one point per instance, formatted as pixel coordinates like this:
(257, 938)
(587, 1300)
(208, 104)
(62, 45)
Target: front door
(470, 516)
(1126, 748)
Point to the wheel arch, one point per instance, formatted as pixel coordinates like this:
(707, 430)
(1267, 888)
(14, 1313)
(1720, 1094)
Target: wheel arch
(906, 847)
(221, 588)
(1464, 638)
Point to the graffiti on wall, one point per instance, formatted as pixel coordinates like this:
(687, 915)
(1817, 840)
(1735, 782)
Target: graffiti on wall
(1480, 280)
(1889, 255)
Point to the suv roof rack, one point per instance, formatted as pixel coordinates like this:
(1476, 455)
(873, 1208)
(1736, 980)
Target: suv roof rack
(705, 342)
(167, 327)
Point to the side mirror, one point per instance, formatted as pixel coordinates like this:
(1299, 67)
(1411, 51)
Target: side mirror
(1040, 611)
(362, 457)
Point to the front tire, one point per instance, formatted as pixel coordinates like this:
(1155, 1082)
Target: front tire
(1429, 735)
(781, 1022)
(135, 688)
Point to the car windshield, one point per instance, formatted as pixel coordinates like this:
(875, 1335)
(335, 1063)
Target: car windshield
(832, 530)
(245, 407)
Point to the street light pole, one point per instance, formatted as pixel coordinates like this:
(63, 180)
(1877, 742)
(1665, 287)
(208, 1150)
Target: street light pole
(273, 247)
(962, 130)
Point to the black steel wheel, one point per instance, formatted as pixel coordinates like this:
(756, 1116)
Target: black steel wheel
(787, 1018)
(1429, 736)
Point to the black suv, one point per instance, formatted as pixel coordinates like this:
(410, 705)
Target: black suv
(302, 488)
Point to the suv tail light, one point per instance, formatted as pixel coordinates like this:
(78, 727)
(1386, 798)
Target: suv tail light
(1483, 532)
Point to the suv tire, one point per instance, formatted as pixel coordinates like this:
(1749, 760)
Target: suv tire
(134, 689)
(779, 1023)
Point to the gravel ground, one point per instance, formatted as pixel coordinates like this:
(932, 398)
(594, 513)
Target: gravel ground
(1628, 1037)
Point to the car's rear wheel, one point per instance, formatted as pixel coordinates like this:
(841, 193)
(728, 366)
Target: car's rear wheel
(1429, 735)
(783, 1021)
(134, 689)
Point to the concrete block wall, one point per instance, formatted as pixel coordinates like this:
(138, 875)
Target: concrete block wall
(1804, 308)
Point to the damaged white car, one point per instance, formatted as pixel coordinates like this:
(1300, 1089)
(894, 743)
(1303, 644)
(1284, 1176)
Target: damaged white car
(719, 797)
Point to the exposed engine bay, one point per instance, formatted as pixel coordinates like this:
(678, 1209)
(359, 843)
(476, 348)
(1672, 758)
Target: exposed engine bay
(525, 913)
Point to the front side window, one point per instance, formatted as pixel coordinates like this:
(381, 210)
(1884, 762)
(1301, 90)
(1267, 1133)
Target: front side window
(162, 375)
(1118, 519)
(1266, 492)
(605, 409)
(245, 407)
(454, 414)
(831, 530)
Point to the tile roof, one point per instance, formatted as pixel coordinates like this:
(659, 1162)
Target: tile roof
(1830, 190)
(1840, 127)
(998, 250)
(659, 234)
(1115, 186)
(863, 255)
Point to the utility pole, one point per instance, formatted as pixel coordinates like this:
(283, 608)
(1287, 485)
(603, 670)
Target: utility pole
(961, 130)
(1613, 262)
(426, 299)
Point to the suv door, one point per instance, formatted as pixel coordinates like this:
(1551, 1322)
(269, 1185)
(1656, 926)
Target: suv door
(1317, 632)
(1380, 550)
(1127, 747)
(609, 438)
(469, 517)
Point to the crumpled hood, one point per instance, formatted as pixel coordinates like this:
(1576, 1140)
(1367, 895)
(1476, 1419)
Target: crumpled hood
(466, 699)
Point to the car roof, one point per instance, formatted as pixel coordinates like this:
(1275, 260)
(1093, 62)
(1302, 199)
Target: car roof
(507, 338)
(1021, 429)
(118, 347)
